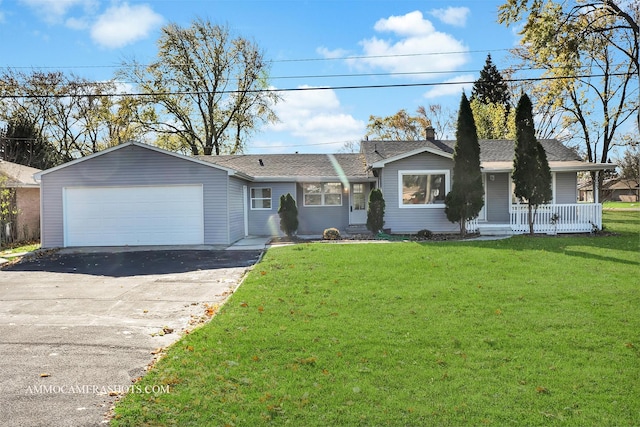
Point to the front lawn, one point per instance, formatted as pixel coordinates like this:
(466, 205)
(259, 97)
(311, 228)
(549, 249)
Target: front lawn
(621, 205)
(524, 331)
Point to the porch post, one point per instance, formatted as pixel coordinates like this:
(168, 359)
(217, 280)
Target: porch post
(596, 190)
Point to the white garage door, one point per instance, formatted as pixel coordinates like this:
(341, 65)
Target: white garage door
(118, 216)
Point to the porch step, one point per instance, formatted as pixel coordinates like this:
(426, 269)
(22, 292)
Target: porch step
(357, 229)
(495, 230)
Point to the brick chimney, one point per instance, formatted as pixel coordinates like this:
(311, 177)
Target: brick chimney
(430, 133)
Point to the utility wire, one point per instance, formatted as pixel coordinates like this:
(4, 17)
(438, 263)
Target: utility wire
(302, 89)
(275, 61)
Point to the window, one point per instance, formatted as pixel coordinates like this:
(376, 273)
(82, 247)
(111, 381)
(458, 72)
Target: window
(322, 194)
(419, 189)
(516, 201)
(260, 198)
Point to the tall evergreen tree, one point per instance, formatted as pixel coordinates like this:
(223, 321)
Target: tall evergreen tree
(491, 88)
(20, 143)
(531, 173)
(466, 198)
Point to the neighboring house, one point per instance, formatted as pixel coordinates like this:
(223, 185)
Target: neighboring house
(585, 191)
(613, 190)
(621, 190)
(19, 178)
(136, 194)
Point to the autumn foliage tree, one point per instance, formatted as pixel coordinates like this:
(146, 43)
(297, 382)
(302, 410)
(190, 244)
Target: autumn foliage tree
(588, 51)
(403, 126)
(466, 198)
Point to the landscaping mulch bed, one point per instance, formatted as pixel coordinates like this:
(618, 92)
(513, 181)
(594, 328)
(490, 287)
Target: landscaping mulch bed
(435, 237)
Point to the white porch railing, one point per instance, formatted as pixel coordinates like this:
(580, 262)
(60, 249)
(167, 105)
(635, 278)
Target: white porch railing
(551, 219)
(472, 225)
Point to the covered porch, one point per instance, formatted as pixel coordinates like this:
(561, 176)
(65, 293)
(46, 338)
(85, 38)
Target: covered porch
(504, 214)
(549, 219)
(556, 218)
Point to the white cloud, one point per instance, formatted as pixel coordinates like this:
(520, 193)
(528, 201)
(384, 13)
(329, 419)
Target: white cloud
(53, 11)
(316, 117)
(456, 16)
(411, 24)
(77, 23)
(123, 24)
(453, 86)
(417, 47)
(336, 53)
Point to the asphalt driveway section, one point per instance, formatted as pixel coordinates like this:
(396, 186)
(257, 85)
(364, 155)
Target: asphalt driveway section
(72, 341)
(125, 263)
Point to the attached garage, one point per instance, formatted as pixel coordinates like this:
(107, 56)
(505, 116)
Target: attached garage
(140, 195)
(142, 215)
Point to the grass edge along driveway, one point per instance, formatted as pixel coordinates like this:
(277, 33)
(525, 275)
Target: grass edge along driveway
(524, 331)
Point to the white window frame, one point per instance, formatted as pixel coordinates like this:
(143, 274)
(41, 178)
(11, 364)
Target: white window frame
(447, 187)
(321, 194)
(251, 198)
(517, 202)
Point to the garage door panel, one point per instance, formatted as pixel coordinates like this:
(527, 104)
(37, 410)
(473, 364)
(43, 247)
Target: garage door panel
(114, 216)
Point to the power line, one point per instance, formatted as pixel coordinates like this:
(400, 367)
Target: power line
(275, 61)
(302, 89)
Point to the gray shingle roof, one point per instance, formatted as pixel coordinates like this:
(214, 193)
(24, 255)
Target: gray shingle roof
(379, 150)
(503, 151)
(354, 166)
(490, 150)
(294, 165)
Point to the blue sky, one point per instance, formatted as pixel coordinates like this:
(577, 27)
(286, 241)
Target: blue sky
(365, 42)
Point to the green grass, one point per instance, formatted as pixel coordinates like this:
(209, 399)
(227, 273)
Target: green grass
(6, 252)
(621, 205)
(524, 331)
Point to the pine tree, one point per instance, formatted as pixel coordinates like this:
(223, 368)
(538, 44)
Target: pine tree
(466, 198)
(20, 143)
(288, 213)
(491, 88)
(531, 173)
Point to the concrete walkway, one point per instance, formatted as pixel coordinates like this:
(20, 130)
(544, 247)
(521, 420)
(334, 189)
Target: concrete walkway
(250, 243)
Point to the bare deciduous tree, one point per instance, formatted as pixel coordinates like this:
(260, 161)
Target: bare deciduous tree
(206, 91)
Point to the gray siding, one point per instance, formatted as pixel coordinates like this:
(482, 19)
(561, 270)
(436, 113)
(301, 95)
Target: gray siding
(566, 187)
(315, 219)
(236, 209)
(411, 220)
(498, 198)
(134, 165)
(267, 222)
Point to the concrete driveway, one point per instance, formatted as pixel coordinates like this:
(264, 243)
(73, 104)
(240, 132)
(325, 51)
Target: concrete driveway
(77, 328)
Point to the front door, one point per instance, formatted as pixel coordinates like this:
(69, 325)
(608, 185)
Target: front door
(358, 203)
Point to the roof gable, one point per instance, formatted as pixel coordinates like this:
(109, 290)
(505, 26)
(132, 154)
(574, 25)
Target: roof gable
(494, 154)
(379, 153)
(137, 144)
(18, 175)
